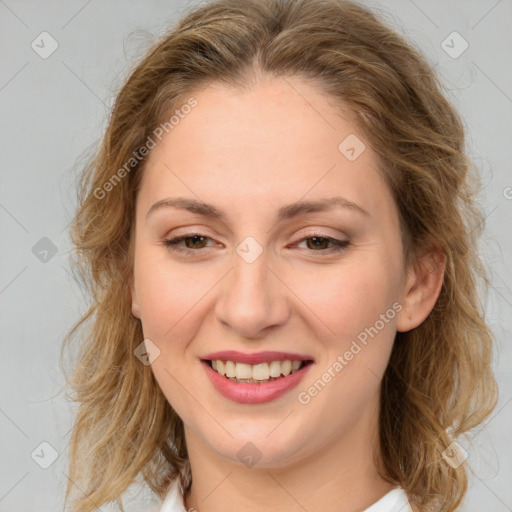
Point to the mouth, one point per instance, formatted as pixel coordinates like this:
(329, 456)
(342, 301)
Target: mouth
(255, 378)
(260, 373)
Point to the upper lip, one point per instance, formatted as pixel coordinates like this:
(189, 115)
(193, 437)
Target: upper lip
(256, 357)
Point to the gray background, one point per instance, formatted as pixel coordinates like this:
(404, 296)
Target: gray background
(53, 111)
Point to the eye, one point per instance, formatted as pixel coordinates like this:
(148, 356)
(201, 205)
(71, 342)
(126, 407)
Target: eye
(319, 243)
(315, 242)
(192, 241)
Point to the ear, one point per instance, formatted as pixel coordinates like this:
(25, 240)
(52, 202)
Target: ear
(422, 288)
(135, 302)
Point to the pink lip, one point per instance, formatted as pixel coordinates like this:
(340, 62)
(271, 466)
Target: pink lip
(256, 358)
(254, 393)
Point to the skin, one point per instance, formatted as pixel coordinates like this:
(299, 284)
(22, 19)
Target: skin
(249, 153)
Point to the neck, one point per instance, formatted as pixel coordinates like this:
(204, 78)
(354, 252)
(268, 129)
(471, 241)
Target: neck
(341, 476)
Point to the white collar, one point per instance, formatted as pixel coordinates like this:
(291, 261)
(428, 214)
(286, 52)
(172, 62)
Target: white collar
(394, 501)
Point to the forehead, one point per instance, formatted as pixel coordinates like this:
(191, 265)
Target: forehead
(282, 139)
(275, 117)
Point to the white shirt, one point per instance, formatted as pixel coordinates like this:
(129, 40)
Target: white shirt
(394, 501)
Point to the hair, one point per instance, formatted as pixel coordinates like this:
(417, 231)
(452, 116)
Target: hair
(438, 384)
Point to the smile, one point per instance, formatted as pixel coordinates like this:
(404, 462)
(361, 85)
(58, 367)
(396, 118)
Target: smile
(258, 373)
(255, 378)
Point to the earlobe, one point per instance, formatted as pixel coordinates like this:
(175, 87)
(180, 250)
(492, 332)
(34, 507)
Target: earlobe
(135, 310)
(422, 288)
(135, 302)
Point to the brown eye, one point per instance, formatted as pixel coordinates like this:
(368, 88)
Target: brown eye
(319, 243)
(192, 242)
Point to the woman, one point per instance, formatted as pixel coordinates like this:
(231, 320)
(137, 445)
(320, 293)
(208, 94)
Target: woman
(279, 233)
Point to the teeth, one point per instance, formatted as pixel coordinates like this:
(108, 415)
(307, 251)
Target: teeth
(275, 368)
(230, 369)
(257, 372)
(243, 371)
(260, 371)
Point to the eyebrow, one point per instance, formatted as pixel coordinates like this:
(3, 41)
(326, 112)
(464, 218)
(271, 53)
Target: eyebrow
(284, 213)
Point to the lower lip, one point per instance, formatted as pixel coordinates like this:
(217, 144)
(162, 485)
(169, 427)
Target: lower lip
(244, 393)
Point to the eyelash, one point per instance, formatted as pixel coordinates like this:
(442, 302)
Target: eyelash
(172, 243)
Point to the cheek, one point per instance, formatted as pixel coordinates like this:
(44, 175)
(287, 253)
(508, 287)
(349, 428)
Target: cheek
(352, 296)
(168, 294)
(171, 297)
(356, 303)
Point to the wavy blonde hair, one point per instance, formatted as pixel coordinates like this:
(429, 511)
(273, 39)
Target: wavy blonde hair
(439, 382)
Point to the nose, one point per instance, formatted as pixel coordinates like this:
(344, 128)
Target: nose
(252, 300)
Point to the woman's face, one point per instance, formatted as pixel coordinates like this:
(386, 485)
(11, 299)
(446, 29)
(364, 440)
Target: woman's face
(286, 173)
